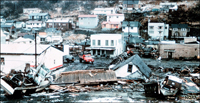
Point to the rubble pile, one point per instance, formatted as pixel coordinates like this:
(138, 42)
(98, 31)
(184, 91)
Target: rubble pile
(125, 73)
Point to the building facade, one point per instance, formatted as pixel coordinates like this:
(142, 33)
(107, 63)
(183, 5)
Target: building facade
(103, 11)
(158, 31)
(88, 21)
(35, 24)
(31, 10)
(110, 25)
(60, 24)
(39, 16)
(15, 56)
(115, 17)
(179, 30)
(106, 44)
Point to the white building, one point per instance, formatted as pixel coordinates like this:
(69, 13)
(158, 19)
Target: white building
(115, 17)
(106, 44)
(171, 6)
(103, 11)
(88, 21)
(31, 10)
(15, 56)
(21, 40)
(132, 68)
(131, 28)
(158, 31)
(3, 37)
(35, 24)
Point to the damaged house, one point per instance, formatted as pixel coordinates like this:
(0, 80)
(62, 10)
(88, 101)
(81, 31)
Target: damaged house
(15, 56)
(132, 68)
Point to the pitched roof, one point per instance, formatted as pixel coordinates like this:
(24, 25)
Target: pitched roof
(136, 60)
(132, 23)
(42, 33)
(115, 14)
(87, 16)
(130, 1)
(38, 14)
(179, 26)
(23, 49)
(33, 21)
(105, 22)
(29, 36)
(20, 39)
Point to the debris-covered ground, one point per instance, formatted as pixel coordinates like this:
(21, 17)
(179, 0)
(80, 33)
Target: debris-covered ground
(119, 90)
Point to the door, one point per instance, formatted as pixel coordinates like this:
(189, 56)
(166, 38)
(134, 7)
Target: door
(170, 55)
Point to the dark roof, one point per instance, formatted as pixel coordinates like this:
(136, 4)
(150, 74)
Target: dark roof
(179, 26)
(130, 1)
(83, 43)
(132, 23)
(133, 34)
(6, 26)
(21, 34)
(29, 36)
(10, 21)
(136, 60)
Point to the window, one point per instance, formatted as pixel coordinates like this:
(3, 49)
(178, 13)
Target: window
(159, 27)
(99, 42)
(50, 23)
(117, 17)
(151, 32)
(54, 61)
(151, 27)
(131, 27)
(37, 23)
(166, 27)
(106, 42)
(93, 42)
(112, 42)
(123, 27)
(184, 34)
(104, 25)
(183, 29)
(175, 29)
(130, 68)
(109, 16)
(2, 61)
(31, 23)
(115, 25)
(81, 18)
(42, 39)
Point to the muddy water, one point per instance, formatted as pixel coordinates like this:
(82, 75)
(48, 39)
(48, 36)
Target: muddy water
(100, 96)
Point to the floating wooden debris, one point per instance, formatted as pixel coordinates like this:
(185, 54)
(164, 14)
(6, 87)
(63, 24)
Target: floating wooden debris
(87, 77)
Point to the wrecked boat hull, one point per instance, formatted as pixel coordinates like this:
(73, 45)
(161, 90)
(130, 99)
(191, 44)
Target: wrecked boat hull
(168, 93)
(5, 86)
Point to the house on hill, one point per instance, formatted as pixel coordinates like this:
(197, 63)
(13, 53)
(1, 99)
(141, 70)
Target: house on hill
(179, 30)
(88, 21)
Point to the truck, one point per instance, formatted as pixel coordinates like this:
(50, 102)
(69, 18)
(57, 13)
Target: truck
(86, 58)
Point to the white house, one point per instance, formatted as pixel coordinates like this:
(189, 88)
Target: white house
(39, 16)
(19, 25)
(35, 24)
(158, 31)
(2, 19)
(133, 68)
(31, 10)
(15, 56)
(88, 21)
(3, 37)
(169, 5)
(131, 27)
(103, 11)
(115, 17)
(21, 40)
(106, 44)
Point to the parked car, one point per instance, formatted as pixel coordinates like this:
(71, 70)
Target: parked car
(68, 58)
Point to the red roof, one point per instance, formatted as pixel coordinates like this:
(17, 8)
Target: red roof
(87, 16)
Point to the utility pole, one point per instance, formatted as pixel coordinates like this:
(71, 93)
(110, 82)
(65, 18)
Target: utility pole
(35, 50)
